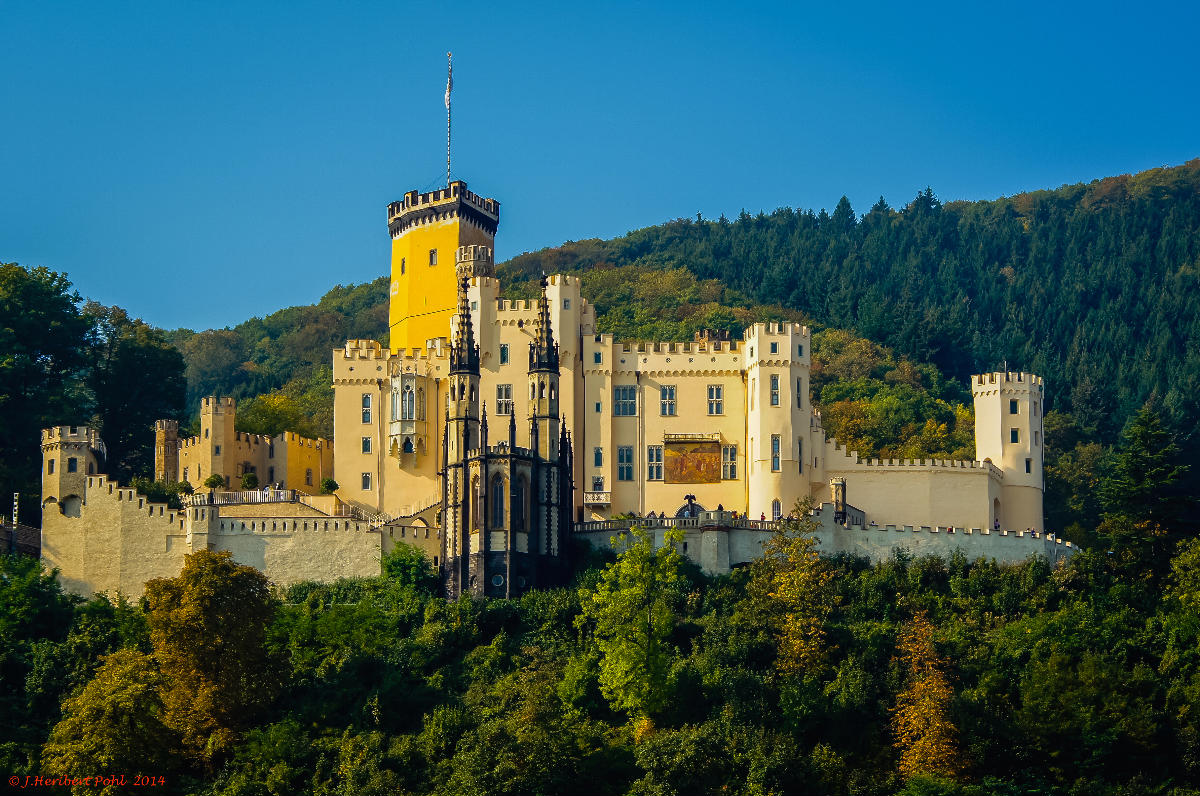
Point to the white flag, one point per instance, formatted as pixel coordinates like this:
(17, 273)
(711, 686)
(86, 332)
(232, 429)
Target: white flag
(449, 80)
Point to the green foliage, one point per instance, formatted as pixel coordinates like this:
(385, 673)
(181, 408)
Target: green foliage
(249, 481)
(115, 724)
(631, 615)
(409, 567)
(208, 627)
(1081, 678)
(43, 364)
(273, 414)
(161, 491)
(136, 378)
(329, 486)
(214, 481)
(284, 354)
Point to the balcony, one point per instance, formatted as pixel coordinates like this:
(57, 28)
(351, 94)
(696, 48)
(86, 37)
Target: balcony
(712, 437)
(597, 498)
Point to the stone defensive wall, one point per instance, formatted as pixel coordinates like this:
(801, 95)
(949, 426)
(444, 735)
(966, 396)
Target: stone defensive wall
(115, 540)
(716, 541)
(839, 458)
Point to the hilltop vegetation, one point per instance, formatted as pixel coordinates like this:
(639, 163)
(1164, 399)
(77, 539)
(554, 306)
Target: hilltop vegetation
(794, 675)
(1095, 286)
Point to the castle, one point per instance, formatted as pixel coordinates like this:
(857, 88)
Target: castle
(717, 436)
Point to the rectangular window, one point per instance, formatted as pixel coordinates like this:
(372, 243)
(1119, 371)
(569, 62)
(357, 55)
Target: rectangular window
(185, 473)
(1014, 435)
(654, 462)
(366, 407)
(1013, 407)
(366, 480)
(774, 390)
(504, 353)
(271, 475)
(625, 401)
(800, 454)
(774, 348)
(597, 457)
(667, 393)
(597, 483)
(504, 399)
(308, 477)
(72, 465)
(625, 463)
(597, 407)
(49, 467)
(597, 357)
(752, 386)
(716, 399)
(216, 450)
(729, 462)
(1029, 465)
(1037, 438)
(432, 261)
(366, 444)
(800, 351)
(799, 393)
(775, 463)
(566, 304)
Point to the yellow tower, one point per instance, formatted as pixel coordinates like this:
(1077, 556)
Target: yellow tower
(427, 230)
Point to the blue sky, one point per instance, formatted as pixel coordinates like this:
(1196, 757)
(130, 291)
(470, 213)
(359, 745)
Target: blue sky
(200, 163)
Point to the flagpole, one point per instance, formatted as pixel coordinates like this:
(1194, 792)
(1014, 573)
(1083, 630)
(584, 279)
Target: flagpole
(449, 85)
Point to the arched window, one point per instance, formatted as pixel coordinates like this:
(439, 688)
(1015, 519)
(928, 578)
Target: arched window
(518, 505)
(395, 404)
(497, 502)
(776, 509)
(420, 403)
(476, 499)
(408, 446)
(408, 404)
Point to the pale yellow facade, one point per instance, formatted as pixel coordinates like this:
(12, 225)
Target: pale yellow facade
(287, 459)
(729, 422)
(723, 430)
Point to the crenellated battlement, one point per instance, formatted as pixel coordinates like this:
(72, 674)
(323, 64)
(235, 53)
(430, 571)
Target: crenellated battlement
(1007, 381)
(776, 329)
(454, 201)
(363, 349)
(81, 435)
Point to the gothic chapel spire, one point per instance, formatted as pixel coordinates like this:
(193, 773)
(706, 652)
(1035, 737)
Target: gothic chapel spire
(543, 351)
(464, 354)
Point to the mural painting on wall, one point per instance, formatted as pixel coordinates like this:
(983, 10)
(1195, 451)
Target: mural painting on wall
(692, 462)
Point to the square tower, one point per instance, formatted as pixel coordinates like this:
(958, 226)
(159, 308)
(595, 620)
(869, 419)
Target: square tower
(427, 230)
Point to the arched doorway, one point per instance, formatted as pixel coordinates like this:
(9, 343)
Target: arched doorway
(996, 514)
(691, 509)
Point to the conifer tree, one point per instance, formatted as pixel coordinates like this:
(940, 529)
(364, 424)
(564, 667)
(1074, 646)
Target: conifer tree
(925, 734)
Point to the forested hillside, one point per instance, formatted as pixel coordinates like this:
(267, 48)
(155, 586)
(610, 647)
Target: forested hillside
(1095, 286)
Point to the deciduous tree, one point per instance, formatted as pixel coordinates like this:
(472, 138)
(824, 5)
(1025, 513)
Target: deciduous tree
(632, 613)
(208, 627)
